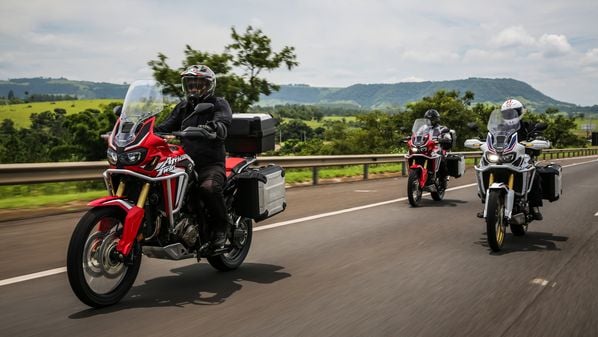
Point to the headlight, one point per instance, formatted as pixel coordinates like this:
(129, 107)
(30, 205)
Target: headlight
(507, 158)
(132, 157)
(414, 149)
(492, 158)
(127, 158)
(112, 157)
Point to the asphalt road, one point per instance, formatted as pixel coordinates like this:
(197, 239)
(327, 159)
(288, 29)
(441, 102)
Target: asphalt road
(386, 270)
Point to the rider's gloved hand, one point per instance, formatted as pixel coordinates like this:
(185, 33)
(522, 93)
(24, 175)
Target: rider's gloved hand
(219, 128)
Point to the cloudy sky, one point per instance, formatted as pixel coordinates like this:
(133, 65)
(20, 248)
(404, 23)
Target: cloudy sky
(552, 45)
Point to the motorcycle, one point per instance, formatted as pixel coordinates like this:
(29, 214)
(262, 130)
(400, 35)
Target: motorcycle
(505, 174)
(426, 151)
(153, 208)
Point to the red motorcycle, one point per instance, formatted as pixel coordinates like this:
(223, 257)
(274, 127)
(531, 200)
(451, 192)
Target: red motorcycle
(153, 208)
(426, 151)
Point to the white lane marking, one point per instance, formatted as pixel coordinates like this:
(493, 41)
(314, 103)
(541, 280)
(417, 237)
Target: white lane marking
(261, 228)
(596, 214)
(540, 281)
(32, 276)
(347, 210)
(365, 191)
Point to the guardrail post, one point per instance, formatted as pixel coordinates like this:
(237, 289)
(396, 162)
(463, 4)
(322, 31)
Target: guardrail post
(366, 169)
(403, 168)
(314, 175)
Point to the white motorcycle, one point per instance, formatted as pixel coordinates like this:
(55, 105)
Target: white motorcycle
(505, 174)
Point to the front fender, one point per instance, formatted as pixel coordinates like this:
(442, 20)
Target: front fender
(133, 219)
(509, 198)
(423, 177)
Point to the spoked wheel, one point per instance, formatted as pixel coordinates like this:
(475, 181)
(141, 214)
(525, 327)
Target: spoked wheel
(518, 230)
(96, 274)
(414, 191)
(496, 226)
(240, 241)
(441, 188)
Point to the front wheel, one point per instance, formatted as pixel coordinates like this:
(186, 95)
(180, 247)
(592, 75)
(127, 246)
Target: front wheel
(414, 191)
(240, 241)
(495, 221)
(96, 274)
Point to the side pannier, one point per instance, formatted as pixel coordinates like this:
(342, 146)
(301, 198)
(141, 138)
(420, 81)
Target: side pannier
(261, 193)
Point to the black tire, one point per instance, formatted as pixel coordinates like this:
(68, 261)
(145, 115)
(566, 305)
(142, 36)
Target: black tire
(441, 187)
(518, 230)
(495, 221)
(87, 247)
(414, 191)
(240, 247)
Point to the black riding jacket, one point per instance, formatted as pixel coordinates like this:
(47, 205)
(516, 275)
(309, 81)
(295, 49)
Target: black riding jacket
(204, 152)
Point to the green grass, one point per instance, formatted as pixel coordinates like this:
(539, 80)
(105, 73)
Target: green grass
(20, 113)
(48, 200)
(314, 124)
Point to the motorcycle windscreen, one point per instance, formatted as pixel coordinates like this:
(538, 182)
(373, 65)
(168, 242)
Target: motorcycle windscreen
(421, 131)
(144, 99)
(502, 129)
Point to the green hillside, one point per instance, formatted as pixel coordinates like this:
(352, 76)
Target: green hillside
(20, 113)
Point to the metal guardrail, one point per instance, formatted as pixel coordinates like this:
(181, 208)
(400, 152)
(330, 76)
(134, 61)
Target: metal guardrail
(19, 174)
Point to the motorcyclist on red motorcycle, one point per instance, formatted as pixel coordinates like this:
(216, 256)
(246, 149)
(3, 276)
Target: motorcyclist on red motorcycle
(444, 138)
(208, 152)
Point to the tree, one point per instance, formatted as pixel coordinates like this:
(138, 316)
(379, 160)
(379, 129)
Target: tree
(11, 95)
(250, 52)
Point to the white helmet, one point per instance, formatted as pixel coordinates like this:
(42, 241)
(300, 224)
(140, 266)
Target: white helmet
(513, 104)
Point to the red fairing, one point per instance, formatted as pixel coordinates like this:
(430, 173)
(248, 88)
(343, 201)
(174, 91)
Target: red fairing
(232, 162)
(131, 227)
(111, 201)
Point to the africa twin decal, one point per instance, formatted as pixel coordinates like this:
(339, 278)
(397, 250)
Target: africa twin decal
(169, 164)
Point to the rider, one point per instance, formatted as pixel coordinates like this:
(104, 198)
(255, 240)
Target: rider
(442, 137)
(199, 83)
(523, 134)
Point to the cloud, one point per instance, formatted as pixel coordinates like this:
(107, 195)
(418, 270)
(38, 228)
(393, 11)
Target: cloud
(553, 45)
(513, 37)
(590, 58)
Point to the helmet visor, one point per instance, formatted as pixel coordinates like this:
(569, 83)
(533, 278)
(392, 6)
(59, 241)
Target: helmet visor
(196, 86)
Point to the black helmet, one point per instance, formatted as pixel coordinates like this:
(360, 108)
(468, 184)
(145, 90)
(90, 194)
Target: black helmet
(199, 82)
(433, 116)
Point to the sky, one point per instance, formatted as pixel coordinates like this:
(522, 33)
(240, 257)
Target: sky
(551, 45)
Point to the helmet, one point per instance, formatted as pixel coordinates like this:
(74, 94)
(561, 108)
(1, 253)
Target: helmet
(433, 116)
(199, 82)
(513, 104)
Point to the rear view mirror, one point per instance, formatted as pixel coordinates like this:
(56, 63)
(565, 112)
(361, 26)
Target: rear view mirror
(203, 107)
(540, 126)
(118, 110)
(473, 126)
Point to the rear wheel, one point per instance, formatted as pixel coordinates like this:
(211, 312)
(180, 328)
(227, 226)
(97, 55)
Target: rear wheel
(495, 220)
(96, 274)
(414, 191)
(240, 241)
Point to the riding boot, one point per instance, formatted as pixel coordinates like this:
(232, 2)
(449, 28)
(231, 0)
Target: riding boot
(536, 213)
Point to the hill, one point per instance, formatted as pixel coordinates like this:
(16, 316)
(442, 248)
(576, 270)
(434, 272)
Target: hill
(399, 94)
(357, 95)
(21, 87)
